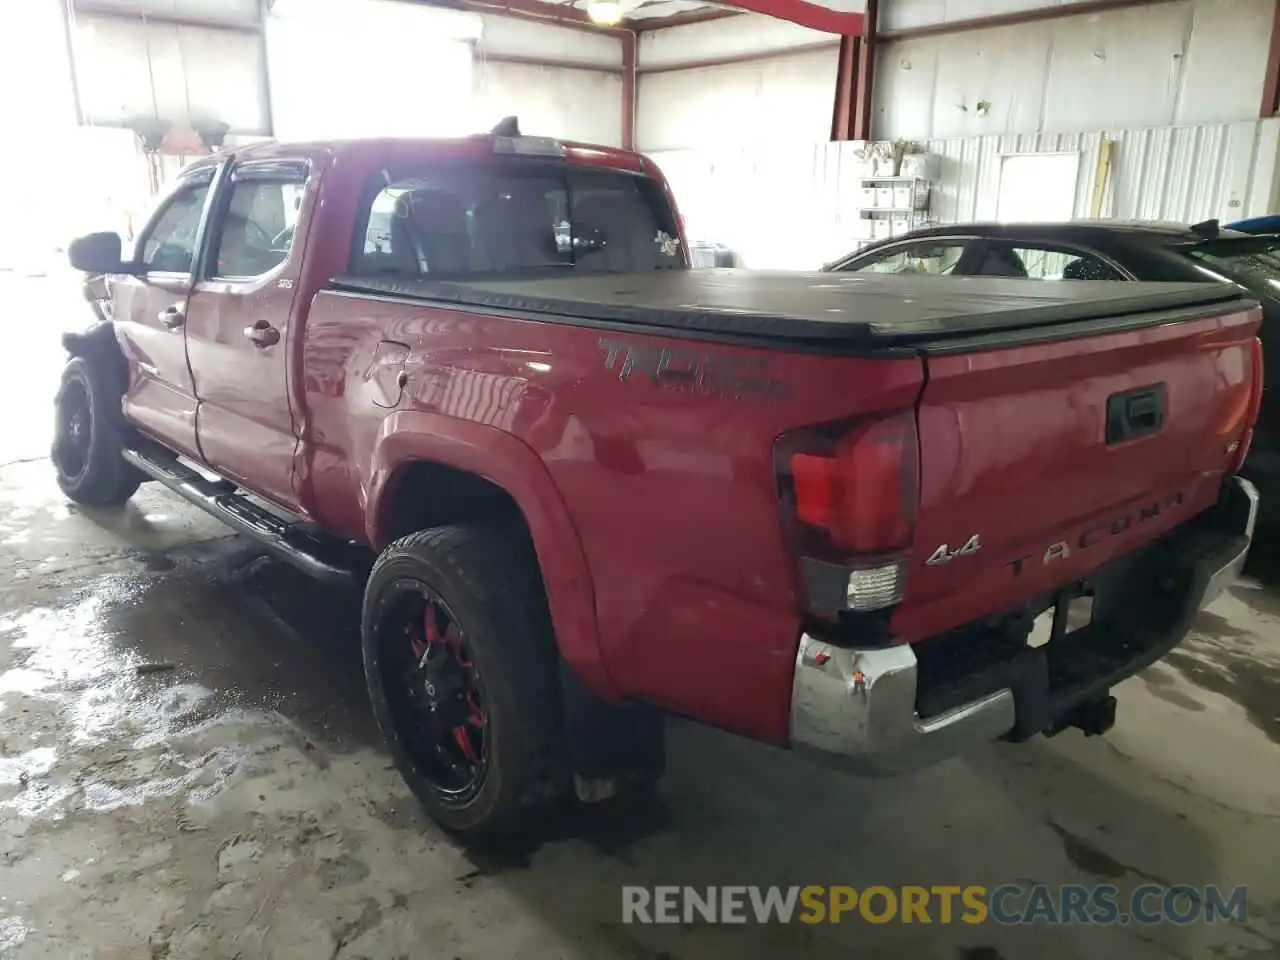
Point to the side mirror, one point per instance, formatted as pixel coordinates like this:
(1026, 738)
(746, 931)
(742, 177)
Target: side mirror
(96, 253)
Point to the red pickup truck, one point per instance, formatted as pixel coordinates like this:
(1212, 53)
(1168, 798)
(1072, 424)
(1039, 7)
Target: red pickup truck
(583, 485)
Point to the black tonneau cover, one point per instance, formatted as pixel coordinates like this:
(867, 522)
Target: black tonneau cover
(878, 310)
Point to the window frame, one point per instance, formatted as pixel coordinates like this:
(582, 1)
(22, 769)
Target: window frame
(298, 172)
(858, 262)
(184, 185)
(1048, 246)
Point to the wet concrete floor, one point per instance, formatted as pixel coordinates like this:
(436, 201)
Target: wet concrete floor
(188, 769)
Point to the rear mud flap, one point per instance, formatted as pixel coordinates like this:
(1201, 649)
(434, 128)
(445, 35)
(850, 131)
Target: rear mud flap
(608, 744)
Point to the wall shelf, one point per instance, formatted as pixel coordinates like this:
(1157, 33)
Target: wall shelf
(891, 206)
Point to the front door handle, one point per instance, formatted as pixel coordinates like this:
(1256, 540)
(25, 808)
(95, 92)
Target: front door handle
(262, 334)
(173, 317)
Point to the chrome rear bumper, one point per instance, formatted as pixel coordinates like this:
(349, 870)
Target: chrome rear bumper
(857, 708)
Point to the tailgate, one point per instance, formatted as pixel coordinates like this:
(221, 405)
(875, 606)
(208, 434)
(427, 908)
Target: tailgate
(1040, 462)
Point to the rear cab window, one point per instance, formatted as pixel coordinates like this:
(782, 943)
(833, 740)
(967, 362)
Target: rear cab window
(449, 220)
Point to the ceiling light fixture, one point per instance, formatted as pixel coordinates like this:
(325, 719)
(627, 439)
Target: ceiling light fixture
(607, 13)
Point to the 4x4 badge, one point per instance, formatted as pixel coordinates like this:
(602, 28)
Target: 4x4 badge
(944, 554)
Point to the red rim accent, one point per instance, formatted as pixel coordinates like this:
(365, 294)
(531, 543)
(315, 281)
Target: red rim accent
(437, 693)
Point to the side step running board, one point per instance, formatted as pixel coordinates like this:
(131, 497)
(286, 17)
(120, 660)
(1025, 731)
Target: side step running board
(310, 555)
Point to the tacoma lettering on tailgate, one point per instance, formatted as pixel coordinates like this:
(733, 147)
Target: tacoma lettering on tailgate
(1093, 535)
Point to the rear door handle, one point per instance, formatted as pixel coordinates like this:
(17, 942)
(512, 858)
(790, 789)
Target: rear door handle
(173, 317)
(262, 334)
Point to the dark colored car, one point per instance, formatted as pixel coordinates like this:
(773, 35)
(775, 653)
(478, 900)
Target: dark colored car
(1108, 250)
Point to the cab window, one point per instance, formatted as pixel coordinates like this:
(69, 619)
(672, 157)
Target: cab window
(171, 241)
(255, 234)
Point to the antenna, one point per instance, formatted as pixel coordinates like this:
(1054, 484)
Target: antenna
(1206, 230)
(507, 127)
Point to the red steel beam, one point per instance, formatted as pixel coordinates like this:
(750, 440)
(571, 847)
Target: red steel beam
(1271, 79)
(629, 90)
(1021, 17)
(806, 14)
(803, 12)
(863, 98)
(846, 77)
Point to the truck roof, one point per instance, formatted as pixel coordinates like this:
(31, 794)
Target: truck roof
(873, 311)
(478, 145)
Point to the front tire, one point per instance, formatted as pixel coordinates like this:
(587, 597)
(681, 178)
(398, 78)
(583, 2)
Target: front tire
(89, 437)
(460, 662)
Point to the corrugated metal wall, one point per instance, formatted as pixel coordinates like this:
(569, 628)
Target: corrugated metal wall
(559, 102)
(756, 102)
(128, 69)
(1158, 173)
(796, 207)
(1168, 64)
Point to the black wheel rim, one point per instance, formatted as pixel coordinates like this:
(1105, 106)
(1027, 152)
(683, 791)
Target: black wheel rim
(434, 691)
(75, 426)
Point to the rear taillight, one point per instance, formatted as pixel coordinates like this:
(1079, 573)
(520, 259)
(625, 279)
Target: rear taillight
(1255, 405)
(850, 493)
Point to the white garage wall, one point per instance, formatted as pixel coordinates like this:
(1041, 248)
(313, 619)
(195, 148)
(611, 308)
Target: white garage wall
(130, 68)
(784, 96)
(552, 101)
(34, 62)
(360, 68)
(717, 39)
(905, 14)
(508, 36)
(1186, 62)
(1183, 174)
(243, 12)
(570, 104)
(795, 207)
(42, 174)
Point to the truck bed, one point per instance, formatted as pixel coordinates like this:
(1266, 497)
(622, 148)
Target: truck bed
(866, 311)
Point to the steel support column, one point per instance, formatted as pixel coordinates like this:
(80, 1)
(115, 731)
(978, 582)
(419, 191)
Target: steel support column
(855, 73)
(1271, 79)
(628, 90)
(846, 78)
(862, 100)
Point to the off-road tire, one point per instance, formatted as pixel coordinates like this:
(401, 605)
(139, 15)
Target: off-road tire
(90, 470)
(489, 580)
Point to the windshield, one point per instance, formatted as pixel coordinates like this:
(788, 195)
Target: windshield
(453, 221)
(1253, 260)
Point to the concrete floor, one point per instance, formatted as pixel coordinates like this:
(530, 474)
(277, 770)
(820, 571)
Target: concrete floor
(188, 769)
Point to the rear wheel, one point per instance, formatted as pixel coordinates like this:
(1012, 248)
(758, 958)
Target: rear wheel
(460, 664)
(89, 438)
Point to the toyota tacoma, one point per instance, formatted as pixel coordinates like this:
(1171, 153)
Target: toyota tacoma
(581, 485)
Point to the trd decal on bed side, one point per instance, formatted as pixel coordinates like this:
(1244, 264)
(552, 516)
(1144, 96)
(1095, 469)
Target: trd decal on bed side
(689, 369)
